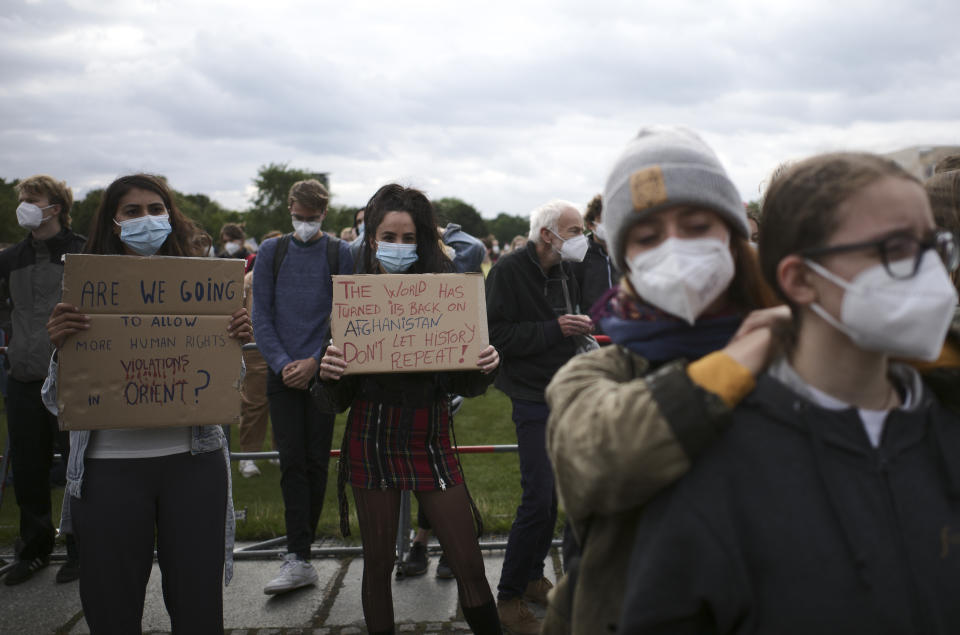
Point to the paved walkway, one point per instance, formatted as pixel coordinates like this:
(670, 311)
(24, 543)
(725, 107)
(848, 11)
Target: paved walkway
(423, 604)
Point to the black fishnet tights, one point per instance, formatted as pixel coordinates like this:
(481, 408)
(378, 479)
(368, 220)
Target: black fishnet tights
(378, 512)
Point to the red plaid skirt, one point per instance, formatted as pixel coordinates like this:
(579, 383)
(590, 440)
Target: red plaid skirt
(386, 446)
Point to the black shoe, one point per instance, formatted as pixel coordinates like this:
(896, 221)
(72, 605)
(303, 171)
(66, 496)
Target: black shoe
(444, 571)
(23, 570)
(68, 571)
(416, 562)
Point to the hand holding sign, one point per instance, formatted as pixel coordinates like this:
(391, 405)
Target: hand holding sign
(240, 326)
(489, 360)
(332, 365)
(65, 320)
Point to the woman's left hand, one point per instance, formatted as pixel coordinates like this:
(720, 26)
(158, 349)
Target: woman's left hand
(489, 360)
(240, 326)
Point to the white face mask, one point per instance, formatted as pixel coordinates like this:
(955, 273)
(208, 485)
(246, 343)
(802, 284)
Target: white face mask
(905, 318)
(573, 249)
(304, 230)
(600, 232)
(683, 276)
(30, 216)
(232, 247)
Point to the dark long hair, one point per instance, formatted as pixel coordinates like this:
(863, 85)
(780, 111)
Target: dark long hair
(104, 241)
(748, 291)
(396, 198)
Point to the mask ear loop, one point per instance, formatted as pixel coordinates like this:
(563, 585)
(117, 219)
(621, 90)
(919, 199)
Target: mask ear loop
(559, 251)
(818, 308)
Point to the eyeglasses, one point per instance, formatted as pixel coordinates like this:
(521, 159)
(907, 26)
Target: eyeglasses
(901, 254)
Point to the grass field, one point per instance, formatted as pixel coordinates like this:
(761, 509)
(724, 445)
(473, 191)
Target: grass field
(494, 479)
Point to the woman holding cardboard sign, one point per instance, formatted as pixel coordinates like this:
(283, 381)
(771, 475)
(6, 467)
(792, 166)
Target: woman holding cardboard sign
(398, 430)
(131, 489)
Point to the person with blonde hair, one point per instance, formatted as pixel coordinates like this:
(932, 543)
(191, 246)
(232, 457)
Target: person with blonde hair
(292, 299)
(33, 271)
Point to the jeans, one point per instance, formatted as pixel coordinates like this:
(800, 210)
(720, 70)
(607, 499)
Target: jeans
(303, 436)
(33, 434)
(176, 502)
(532, 530)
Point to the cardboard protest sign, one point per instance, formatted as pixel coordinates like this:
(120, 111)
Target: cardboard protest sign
(157, 285)
(409, 322)
(157, 352)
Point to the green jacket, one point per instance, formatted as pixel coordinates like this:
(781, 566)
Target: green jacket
(618, 433)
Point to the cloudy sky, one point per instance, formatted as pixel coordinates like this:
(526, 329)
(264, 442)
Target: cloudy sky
(503, 104)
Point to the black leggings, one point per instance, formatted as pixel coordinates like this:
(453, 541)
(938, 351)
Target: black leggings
(181, 499)
(378, 512)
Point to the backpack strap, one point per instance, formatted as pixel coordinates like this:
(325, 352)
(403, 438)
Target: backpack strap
(333, 254)
(283, 243)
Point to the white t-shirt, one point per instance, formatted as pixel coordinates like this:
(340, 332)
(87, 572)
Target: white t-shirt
(138, 443)
(904, 377)
(872, 420)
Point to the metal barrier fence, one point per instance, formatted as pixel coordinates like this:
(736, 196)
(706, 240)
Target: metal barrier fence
(275, 547)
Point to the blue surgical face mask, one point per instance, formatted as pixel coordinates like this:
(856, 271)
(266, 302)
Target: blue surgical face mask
(145, 235)
(360, 229)
(396, 257)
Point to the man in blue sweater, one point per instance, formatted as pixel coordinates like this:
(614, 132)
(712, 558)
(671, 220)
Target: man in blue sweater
(292, 295)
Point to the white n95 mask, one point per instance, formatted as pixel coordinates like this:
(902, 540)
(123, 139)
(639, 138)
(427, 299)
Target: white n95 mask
(573, 249)
(905, 318)
(30, 216)
(682, 276)
(305, 230)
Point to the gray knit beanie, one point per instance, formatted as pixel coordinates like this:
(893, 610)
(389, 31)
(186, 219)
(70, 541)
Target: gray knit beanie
(666, 166)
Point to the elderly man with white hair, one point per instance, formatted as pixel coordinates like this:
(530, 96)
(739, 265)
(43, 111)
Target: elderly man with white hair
(534, 321)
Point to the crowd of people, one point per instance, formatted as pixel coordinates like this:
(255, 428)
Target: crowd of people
(763, 444)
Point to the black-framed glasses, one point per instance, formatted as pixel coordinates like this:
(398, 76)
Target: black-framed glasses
(901, 254)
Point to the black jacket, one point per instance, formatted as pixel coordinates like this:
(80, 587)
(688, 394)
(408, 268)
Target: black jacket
(33, 272)
(595, 274)
(523, 304)
(794, 523)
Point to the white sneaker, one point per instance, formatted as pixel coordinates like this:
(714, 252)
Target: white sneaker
(248, 468)
(294, 573)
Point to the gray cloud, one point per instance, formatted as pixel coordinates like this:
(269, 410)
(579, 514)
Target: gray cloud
(503, 112)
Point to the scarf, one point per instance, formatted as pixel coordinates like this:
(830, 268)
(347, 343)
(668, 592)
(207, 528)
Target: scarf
(658, 336)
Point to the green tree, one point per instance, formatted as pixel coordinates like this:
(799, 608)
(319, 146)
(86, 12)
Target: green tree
(81, 217)
(269, 207)
(210, 215)
(505, 227)
(338, 217)
(453, 210)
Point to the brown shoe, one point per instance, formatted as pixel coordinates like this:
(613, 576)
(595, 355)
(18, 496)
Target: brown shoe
(517, 618)
(537, 591)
